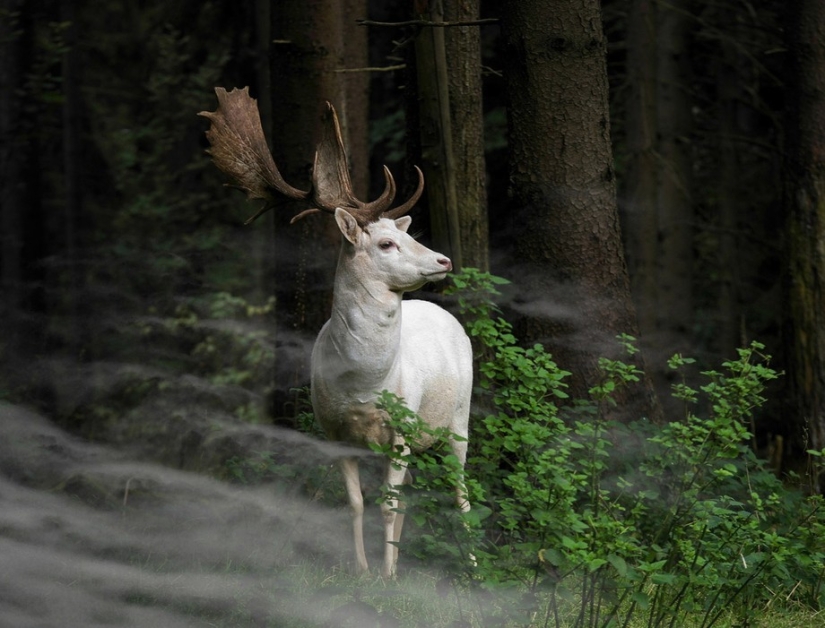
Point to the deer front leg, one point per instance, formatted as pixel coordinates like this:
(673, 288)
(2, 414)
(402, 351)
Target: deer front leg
(396, 476)
(349, 469)
(461, 498)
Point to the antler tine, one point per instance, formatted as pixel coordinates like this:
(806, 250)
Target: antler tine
(399, 211)
(375, 208)
(331, 183)
(239, 149)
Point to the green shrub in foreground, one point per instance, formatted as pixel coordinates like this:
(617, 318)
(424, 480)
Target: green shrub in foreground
(690, 523)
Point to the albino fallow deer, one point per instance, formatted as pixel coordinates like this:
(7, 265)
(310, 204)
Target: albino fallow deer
(374, 340)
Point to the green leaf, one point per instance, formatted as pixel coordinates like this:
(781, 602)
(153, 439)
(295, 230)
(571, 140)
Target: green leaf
(663, 578)
(619, 564)
(642, 600)
(595, 563)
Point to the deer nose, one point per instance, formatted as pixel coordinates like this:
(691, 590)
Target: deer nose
(446, 263)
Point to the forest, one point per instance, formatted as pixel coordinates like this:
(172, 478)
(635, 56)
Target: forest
(632, 194)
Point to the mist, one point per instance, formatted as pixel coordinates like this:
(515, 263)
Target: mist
(91, 535)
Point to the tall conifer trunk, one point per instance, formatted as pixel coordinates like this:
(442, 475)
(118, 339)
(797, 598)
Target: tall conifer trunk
(12, 159)
(312, 40)
(674, 305)
(805, 229)
(567, 247)
(464, 75)
(638, 194)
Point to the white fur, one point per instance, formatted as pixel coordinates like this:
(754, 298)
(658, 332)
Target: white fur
(375, 341)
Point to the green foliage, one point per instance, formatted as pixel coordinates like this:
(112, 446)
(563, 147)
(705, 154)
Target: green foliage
(445, 535)
(225, 336)
(687, 521)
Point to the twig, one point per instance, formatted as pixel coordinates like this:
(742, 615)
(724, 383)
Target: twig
(386, 68)
(481, 22)
(126, 492)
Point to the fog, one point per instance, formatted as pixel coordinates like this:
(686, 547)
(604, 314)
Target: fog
(90, 535)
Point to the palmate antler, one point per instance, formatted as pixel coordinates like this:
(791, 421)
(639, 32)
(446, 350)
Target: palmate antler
(239, 149)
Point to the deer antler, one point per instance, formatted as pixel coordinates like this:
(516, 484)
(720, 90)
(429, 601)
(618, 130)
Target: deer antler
(239, 149)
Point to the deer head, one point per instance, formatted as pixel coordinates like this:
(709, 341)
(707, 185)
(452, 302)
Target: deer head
(239, 149)
(384, 253)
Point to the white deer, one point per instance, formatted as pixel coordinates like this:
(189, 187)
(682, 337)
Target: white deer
(374, 340)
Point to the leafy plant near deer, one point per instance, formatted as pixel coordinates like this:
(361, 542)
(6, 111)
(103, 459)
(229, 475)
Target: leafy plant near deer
(688, 522)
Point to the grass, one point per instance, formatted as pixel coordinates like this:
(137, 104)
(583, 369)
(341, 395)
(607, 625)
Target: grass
(306, 596)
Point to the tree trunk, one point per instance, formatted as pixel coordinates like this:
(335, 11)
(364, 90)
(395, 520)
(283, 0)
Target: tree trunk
(730, 76)
(639, 186)
(357, 96)
(674, 304)
(804, 201)
(567, 248)
(12, 181)
(308, 51)
(436, 134)
(464, 75)
(72, 200)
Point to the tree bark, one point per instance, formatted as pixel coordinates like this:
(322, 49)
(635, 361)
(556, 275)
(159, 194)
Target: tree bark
(804, 201)
(308, 51)
(436, 135)
(312, 40)
(465, 89)
(451, 132)
(357, 93)
(567, 247)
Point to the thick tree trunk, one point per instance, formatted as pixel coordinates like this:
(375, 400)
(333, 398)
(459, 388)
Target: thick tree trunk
(464, 75)
(436, 134)
(312, 40)
(567, 247)
(308, 52)
(357, 95)
(805, 229)
(451, 132)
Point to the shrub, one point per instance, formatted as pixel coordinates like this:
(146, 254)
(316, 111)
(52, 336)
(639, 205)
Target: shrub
(691, 524)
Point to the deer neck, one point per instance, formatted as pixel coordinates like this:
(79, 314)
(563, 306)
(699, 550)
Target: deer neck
(365, 325)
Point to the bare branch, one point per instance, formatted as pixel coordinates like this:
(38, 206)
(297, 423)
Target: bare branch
(481, 22)
(387, 68)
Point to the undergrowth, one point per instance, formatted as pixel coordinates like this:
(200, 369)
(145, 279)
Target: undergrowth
(686, 523)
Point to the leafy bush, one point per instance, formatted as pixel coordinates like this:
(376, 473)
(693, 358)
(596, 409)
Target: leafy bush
(690, 523)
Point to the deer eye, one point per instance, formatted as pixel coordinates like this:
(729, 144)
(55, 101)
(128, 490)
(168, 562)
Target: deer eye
(386, 245)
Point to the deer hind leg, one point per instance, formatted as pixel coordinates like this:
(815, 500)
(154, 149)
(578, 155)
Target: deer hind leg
(396, 476)
(399, 519)
(349, 469)
(461, 498)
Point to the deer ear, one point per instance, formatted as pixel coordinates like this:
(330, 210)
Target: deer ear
(403, 223)
(347, 224)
